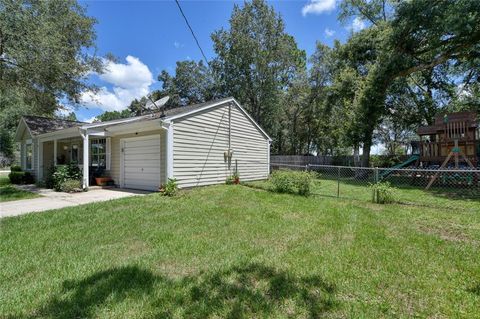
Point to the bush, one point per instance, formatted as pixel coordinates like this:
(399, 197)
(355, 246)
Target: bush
(28, 178)
(383, 193)
(16, 177)
(71, 185)
(170, 188)
(15, 168)
(65, 172)
(287, 181)
(19, 177)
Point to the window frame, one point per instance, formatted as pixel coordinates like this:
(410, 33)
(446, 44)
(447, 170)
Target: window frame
(95, 157)
(28, 144)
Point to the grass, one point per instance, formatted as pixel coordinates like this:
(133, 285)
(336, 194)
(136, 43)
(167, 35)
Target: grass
(236, 251)
(9, 192)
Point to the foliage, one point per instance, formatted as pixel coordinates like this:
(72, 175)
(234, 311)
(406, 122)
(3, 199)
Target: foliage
(15, 168)
(113, 115)
(233, 179)
(63, 173)
(383, 193)
(70, 185)
(170, 188)
(192, 83)
(17, 176)
(256, 61)
(288, 181)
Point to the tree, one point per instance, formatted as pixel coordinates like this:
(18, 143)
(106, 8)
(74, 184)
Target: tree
(256, 61)
(113, 115)
(193, 83)
(44, 56)
(417, 36)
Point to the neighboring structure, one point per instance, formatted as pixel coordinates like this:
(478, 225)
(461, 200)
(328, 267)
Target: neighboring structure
(438, 140)
(200, 144)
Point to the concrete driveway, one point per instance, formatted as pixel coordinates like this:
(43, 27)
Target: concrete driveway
(53, 200)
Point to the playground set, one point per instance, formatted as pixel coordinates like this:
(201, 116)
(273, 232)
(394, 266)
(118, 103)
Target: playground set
(451, 143)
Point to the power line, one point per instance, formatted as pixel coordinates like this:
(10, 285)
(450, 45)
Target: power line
(191, 30)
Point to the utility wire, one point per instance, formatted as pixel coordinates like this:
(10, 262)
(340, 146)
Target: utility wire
(193, 33)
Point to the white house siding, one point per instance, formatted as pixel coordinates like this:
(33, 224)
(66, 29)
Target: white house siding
(116, 153)
(201, 139)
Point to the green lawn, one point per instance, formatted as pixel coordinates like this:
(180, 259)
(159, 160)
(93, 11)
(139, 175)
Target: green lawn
(8, 192)
(236, 251)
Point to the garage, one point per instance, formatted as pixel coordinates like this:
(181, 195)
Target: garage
(140, 162)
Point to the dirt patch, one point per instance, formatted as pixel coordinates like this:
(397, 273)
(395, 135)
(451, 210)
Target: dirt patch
(448, 234)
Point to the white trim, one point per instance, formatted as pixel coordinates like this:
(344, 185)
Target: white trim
(108, 153)
(200, 109)
(40, 160)
(169, 148)
(86, 154)
(122, 163)
(22, 120)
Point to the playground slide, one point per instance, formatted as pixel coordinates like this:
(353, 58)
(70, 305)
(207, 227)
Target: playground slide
(409, 161)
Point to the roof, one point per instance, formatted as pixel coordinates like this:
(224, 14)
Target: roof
(188, 108)
(41, 125)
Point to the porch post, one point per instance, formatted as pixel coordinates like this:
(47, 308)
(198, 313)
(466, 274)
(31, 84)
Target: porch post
(40, 160)
(86, 156)
(170, 150)
(55, 152)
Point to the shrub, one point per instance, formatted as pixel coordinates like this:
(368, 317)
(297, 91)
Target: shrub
(71, 185)
(19, 177)
(282, 181)
(16, 177)
(64, 172)
(28, 178)
(287, 181)
(383, 193)
(170, 188)
(15, 168)
(233, 179)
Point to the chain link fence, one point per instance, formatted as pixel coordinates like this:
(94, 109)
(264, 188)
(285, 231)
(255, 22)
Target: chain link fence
(415, 186)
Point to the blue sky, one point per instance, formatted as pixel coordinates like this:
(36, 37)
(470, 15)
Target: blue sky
(150, 36)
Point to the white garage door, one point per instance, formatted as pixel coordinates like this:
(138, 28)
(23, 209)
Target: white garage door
(141, 162)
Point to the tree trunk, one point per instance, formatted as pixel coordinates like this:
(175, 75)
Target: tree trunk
(367, 145)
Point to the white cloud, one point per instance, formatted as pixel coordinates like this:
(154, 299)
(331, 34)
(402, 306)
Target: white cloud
(130, 81)
(178, 45)
(329, 32)
(318, 6)
(357, 25)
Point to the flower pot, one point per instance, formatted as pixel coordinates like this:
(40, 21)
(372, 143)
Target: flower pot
(102, 181)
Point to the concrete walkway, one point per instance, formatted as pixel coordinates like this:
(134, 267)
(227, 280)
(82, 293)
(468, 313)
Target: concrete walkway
(53, 200)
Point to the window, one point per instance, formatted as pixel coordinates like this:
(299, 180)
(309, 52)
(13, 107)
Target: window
(74, 156)
(28, 155)
(98, 152)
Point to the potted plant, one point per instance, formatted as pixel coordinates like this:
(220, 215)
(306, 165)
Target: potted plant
(236, 178)
(100, 178)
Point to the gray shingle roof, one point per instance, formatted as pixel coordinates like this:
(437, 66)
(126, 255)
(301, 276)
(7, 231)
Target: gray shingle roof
(185, 109)
(41, 125)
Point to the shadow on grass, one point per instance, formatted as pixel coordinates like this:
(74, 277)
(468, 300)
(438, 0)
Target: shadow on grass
(251, 290)
(475, 290)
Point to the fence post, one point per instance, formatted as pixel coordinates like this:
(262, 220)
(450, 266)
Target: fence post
(307, 167)
(375, 174)
(338, 181)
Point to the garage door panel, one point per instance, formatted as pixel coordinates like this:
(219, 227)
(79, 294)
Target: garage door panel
(141, 163)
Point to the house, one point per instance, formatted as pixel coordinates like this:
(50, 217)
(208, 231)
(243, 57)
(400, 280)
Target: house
(199, 144)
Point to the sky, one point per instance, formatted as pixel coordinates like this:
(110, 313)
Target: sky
(150, 36)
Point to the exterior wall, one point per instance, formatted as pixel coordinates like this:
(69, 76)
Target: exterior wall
(200, 141)
(116, 153)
